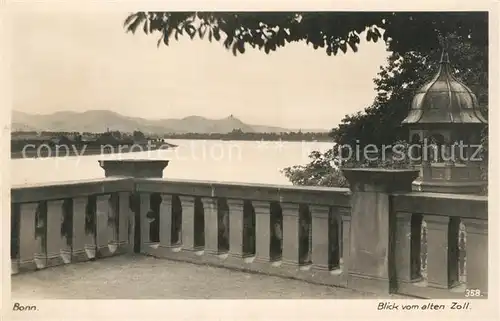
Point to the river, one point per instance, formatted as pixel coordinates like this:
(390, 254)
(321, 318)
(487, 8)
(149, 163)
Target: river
(227, 161)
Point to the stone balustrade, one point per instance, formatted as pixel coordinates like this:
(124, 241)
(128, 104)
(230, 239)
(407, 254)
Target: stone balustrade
(280, 230)
(68, 222)
(367, 238)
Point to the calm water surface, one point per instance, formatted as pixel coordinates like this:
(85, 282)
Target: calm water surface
(229, 161)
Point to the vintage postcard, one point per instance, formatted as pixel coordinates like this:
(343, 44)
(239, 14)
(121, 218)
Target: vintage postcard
(249, 161)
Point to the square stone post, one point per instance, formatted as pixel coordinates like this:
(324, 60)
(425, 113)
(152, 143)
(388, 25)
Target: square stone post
(320, 237)
(211, 225)
(236, 226)
(291, 242)
(371, 257)
(187, 223)
(262, 231)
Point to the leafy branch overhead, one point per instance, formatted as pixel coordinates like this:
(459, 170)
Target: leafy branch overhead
(329, 31)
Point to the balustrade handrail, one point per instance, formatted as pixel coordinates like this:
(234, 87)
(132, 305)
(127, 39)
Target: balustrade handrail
(423, 203)
(69, 189)
(453, 205)
(247, 191)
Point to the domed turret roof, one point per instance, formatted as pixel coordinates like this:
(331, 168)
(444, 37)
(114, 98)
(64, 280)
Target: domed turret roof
(444, 100)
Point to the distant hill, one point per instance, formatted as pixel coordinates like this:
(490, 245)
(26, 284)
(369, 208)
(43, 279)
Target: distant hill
(100, 120)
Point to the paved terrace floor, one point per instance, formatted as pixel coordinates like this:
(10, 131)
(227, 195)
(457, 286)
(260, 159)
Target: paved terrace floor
(142, 277)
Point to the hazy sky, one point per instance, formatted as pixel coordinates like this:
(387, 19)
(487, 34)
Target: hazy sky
(82, 61)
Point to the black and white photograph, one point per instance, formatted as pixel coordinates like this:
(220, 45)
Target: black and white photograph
(336, 154)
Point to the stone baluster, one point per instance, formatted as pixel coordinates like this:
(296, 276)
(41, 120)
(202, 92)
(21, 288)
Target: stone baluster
(103, 213)
(90, 233)
(27, 242)
(320, 237)
(477, 255)
(187, 203)
(211, 226)
(78, 253)
(113, 223)
(291, 255)
(56, 243)
(438, 257)
(124, 223)
(236, 226)
(166, 221)
(404, 247)
(345, 218)
(41, 236)
(14, 237)
(262, 231)
(145, 208)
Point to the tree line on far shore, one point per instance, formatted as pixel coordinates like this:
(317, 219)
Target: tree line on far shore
(238, 134)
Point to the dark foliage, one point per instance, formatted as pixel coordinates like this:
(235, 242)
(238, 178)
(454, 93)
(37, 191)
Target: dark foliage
(330, 31)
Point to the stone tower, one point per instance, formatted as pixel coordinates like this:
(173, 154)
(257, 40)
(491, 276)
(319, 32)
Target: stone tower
(445, 121)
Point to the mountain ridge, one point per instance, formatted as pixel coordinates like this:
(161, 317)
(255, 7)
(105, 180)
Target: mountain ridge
(101, 120)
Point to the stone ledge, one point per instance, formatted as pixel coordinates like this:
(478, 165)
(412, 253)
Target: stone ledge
(44, 192)
(139, 168)
(380, 179)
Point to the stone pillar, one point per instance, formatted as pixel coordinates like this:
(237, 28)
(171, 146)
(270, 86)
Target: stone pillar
(56, 243)
(138, 168)
(79, 236)
(187, 223)
(211, 225)
(27, 242)
(236, 225)
(291, 255)
(477, 255)
(320, 237)
(370, 256)
(262, 231)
